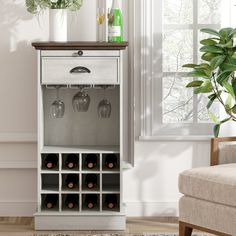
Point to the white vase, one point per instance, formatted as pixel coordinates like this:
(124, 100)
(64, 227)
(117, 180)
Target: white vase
(58, 25)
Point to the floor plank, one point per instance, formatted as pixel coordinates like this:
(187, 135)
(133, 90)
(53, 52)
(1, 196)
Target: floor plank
(18, 226)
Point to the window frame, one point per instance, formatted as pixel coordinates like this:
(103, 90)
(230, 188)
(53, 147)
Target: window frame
(151, 126)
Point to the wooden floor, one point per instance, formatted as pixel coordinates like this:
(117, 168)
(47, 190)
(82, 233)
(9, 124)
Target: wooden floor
(25, 227)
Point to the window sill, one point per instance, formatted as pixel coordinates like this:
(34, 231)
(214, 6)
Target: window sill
(189, 138)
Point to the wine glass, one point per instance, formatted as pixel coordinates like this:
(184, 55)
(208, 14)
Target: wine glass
(57, 107)
(81, 101)
(101, 17)
(104, 107)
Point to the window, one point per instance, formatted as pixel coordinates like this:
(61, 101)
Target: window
(170, 38)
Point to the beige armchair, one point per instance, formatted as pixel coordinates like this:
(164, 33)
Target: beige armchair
(209, 201)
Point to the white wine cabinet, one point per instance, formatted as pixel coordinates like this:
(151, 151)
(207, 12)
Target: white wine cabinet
(80, 154)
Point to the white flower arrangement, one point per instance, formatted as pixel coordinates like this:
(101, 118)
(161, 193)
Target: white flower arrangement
(35, 6)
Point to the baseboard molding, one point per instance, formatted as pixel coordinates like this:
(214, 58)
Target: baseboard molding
(18, 137)
(17, 208)
(163, 209)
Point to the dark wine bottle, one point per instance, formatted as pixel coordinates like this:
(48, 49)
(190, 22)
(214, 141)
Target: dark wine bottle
(91, 201)
(51, 161)
(71, 161)
(91, 161)
(51, 201)
(71, 181)
(111, 161)
(111, 201)
(91, 181)
(71, 201)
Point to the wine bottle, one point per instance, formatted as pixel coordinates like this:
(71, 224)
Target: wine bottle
(71, 201)
(51, 161)
(111, 201)
(71, 161)
(115, 23)
(91, 201)
(91, 181)
(111, 161)
(91, 161)
(51, 201)
(72, 181)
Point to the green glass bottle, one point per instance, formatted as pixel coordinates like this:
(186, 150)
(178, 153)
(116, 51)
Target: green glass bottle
(115, 21)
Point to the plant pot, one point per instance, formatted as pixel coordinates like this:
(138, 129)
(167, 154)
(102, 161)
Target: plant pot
(58, 25)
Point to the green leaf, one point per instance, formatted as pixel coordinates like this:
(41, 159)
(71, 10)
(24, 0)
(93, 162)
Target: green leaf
(230, 60)
(206, 87)
(228, 67)
(31, 6)
(216, 130)
(216, 61)
(208, 42)
(189, 65)
(211, 49)
(197, 73)
(209, 104)
(229, 88)
(228, 103)
(232, 33)
(210, 31)
(223, 77)
(203, 66)
(209, 56)
(225, 120)
(234, 56)
(211, 100)
(213, 117)
(225, 32)
(195, 83)
(233, 82)
(234, 109)
(206, 68)
(212, 95)
(229, 44)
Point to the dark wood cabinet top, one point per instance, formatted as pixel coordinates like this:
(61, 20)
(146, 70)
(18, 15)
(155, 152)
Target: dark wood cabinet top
(73, 45)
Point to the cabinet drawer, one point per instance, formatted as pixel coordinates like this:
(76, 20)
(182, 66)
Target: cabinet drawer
(80, 70)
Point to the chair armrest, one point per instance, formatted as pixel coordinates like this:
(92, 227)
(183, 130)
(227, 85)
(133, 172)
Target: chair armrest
(215, 148)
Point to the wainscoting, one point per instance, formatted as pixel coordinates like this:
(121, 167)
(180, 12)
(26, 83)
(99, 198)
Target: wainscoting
(18, 174)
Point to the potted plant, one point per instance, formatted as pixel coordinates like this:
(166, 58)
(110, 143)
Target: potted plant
(216, 75)
(57, 14)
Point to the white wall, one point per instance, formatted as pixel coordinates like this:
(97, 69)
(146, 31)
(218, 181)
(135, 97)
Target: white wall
(150, 187)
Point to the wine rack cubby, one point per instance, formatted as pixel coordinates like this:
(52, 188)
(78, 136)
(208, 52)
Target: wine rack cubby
(82, 136)
(44, 201)
(50, 157)
(96, 182)
(94, 157)
(90, 182)
(111, 206)
(50, 182)
(70, 202)
(68, 160)
(111, 157)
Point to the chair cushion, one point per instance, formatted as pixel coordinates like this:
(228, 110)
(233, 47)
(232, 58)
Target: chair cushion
(215, 183)
(210, 215)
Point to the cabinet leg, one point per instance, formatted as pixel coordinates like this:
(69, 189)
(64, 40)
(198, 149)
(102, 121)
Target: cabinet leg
(184, 230)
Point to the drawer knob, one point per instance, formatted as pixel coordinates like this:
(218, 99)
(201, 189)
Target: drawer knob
(80, 53)
(80, 70)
